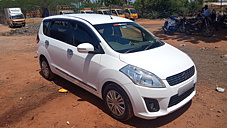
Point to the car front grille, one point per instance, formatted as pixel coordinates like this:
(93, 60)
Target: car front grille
(177, 99)
(19, 22)
(180, 77)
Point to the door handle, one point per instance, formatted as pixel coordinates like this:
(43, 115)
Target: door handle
(47, 42)
(69, 51)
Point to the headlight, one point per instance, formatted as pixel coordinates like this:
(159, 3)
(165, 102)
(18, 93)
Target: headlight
(142, 77)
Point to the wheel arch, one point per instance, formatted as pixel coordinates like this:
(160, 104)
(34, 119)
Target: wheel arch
(105, 85)
(41, 57)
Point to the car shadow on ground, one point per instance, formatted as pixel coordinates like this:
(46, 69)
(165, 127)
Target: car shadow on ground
(136, 122)
(80, 92)
(160, 121)
(194, 38)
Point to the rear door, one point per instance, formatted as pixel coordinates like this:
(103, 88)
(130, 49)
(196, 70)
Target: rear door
(57, 43)
(63, 38)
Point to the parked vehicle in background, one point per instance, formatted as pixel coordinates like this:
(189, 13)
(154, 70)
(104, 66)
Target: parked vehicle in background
(65, 9)
(34, 13)
(181, 25)
(118, 12)
(131, 13)
(87, 11)
(14, 17)
(116, 59)
(104, 11)
(200, 24)
(170, 26)
(173, 25)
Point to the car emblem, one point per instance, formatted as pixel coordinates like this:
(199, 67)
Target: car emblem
(184, 75)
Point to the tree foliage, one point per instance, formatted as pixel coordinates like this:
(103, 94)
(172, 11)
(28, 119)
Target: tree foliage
(27, 5)
(146, 8)
(165, 8)
(211, 0)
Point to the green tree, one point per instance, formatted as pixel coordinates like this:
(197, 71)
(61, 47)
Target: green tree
(113, 2)
(194, 8)
(28, 5)
(211, 0)
(164, 8)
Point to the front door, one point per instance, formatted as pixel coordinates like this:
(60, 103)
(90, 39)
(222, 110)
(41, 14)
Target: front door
(83, 66)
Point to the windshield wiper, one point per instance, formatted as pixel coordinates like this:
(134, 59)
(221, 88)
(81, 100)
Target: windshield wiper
(152, 43)
(149, 46)
(134, 49)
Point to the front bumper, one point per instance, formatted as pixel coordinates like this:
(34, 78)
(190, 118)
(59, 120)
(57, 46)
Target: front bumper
(18, 23)
(169, 99)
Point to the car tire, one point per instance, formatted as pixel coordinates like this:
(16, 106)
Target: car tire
(45, 69)
(117, 102)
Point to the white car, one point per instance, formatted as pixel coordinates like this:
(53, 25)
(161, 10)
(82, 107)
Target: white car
(134, 72)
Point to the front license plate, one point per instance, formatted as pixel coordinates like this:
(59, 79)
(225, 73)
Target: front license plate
(185, 88)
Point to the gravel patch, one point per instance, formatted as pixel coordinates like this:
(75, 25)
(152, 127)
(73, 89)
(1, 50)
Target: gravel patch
(30, 29)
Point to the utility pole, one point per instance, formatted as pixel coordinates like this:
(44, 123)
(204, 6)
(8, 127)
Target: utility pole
(221, 5)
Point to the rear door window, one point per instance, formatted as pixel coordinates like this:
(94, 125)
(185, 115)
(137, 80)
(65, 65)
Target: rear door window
(59, 30)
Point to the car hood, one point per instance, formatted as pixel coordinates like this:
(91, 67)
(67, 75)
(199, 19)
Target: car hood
(163, 61)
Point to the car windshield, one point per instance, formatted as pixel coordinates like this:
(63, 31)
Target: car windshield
(18, 16)
(107, 12)
(120, 12)
(133, 11)
(128, 37)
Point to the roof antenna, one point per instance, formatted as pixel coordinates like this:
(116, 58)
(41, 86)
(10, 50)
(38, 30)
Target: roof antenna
(111, 17)
(110, 13)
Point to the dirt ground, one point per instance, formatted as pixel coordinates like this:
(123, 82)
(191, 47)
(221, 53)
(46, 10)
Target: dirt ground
(30, 101)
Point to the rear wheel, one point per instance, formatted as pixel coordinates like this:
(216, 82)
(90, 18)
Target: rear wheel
(117, 102)
(171, 31)
(208, 31)
(188, 31)
(45, 69)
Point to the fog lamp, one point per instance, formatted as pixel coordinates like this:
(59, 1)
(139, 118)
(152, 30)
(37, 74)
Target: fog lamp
(152, 105)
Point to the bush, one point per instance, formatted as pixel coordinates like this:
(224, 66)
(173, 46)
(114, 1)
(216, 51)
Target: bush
(153, 15)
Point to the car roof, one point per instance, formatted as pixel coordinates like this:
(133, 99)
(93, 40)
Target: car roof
(93, 18)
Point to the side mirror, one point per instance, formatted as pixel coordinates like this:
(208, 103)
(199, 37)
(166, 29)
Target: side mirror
(85, 48)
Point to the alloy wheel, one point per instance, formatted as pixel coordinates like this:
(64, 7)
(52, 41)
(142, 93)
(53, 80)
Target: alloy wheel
(45, 69)
(115, 102)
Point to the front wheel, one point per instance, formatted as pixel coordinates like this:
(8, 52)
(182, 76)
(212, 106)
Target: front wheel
(208, 31)
(164, 29)
(117, 102)
(11, 25)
